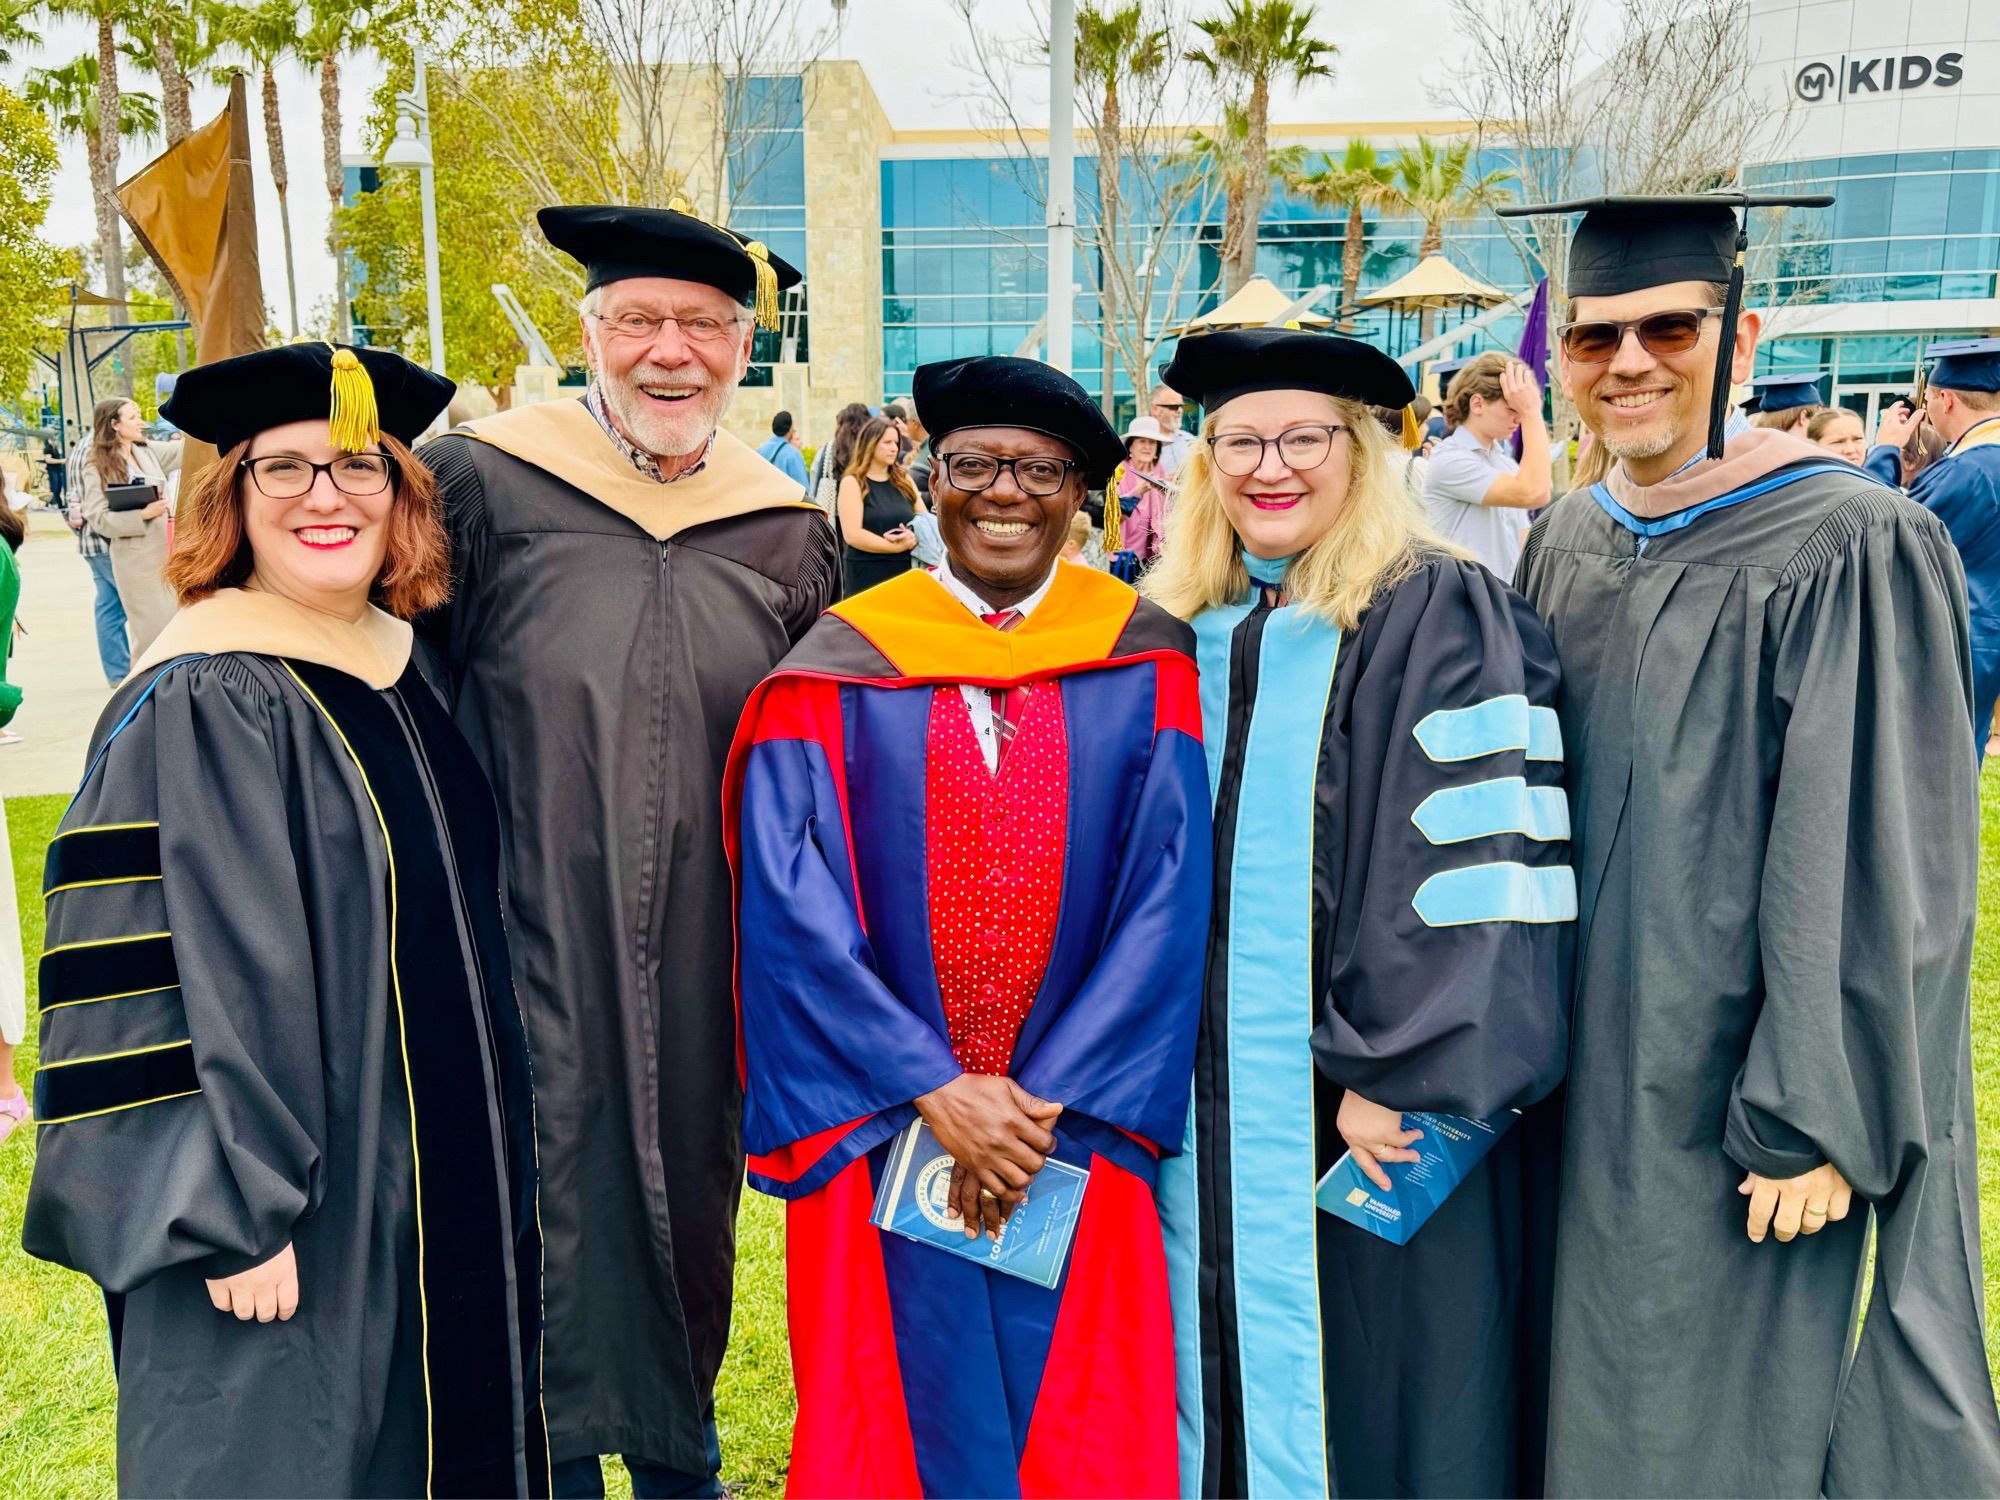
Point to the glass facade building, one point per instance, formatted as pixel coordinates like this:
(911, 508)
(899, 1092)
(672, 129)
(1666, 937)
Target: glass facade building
(964, 265)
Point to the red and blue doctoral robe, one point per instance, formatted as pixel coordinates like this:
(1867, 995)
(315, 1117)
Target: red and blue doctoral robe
(906, 915)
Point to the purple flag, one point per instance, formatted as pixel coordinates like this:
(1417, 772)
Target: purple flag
(1534, 351)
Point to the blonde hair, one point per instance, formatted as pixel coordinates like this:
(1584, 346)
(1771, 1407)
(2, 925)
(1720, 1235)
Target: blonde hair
(1380, 537)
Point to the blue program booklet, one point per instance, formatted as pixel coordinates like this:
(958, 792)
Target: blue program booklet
(1034, 1242)
(1451, 1147)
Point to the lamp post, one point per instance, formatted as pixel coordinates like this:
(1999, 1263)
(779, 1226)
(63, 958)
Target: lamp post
(412, 148)
(1062, 182)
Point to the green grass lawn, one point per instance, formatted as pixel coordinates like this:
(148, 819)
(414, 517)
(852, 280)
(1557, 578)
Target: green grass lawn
(57, 1398)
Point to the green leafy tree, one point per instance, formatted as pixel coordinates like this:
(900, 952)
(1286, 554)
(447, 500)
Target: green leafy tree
(1359, 183)
(1252, 45)
(33, 270)
(264, 35)
(15, 30)
(1437, 185)
(1114, 48)
(486, 202)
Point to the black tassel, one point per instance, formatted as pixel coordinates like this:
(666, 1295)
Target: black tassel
(1725, 354)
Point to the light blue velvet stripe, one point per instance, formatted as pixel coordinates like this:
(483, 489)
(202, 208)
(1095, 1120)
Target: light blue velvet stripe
(1506, 804)
(1504, 892)
(1271, 1145)
(1498, 724)
(1176, 1190)
(1545, 735)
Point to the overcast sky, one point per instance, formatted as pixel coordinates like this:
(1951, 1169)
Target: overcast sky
(909, 48)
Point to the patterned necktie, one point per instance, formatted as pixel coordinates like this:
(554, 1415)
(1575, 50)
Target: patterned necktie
(1009, 704)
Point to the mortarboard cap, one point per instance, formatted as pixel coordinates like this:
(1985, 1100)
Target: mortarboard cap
(998, 390)
(1630, 243)
(1786, 392)
(616, 242)
(362, 393)
(1966, 364)
(1212, 368)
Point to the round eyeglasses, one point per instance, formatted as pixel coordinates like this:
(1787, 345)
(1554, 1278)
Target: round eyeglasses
(1301, 448)
(284, 476)
(1037, 476)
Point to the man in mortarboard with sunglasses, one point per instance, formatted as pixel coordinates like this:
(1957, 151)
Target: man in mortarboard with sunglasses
(1765, 685)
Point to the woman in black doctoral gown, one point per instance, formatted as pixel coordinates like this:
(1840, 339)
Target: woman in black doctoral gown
(284, 1101)
(1390, 949)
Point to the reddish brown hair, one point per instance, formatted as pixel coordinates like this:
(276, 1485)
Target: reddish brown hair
(212, 552)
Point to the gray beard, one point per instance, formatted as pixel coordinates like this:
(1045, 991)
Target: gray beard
(1644, 448)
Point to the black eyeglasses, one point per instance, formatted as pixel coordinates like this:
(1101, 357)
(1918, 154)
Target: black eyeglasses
(1674, 332)
(973, 472)
(1301, 448)
(284, 476)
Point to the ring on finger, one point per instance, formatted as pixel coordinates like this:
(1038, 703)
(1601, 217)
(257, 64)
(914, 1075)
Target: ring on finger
(1817, 1213)
(988, 1195)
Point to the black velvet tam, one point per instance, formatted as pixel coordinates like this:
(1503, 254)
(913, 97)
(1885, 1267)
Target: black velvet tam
(233, 400)
(1212, 368)
(618, 243)
(997, 390)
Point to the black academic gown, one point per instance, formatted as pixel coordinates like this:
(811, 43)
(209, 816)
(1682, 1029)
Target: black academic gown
(1393, 911)
(275, 1008)
(600, 651)
(1776, 828)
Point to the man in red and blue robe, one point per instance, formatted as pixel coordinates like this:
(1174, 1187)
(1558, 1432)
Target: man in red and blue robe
(969, 824)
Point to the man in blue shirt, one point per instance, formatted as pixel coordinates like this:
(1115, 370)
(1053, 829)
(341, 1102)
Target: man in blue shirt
(781, 450)
(1962, 489)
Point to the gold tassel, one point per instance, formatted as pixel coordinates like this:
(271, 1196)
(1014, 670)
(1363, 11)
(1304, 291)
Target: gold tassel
(1413, 435)
(767, 284)
(1114, 514)
(353, 424)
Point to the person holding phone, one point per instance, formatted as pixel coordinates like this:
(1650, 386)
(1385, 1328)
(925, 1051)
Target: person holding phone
(878, 500)
(120, 455)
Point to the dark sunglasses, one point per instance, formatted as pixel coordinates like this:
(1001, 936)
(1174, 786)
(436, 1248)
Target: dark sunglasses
(1675, 332)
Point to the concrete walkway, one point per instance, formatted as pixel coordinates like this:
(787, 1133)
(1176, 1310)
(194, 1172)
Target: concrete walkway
(55, 663)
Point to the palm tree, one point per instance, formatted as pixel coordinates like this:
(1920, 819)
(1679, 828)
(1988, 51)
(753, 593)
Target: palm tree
(1111, 47)
(14, 28)
(1250, 44)
(1436, 184)
(264, 35)
(68, 96)
(1358, 182)
(334, 29)
(1224, 156)
(105, 16)
(183, 34)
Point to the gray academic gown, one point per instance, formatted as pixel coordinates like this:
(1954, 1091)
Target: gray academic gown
(1775, 845)
(604, 633)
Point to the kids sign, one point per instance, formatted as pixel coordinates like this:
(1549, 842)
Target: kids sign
(1820, 82)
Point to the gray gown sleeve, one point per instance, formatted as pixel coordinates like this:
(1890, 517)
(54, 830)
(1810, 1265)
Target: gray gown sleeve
(1860, 1055)
(181, 1087)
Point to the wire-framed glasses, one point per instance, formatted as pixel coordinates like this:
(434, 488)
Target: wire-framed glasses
(635, 325)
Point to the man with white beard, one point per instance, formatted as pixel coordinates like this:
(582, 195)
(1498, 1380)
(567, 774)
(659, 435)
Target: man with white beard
(624, 573)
